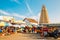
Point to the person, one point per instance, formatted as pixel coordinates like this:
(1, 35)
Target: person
(0, 31)
(30, 29)
(33, 29)
(55, 33)
(45, 30)
(50, 31)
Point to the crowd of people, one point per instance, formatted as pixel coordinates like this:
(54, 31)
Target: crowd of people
(43, 31)
(6, 30)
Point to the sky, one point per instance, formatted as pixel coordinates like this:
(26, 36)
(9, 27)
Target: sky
(20, 9)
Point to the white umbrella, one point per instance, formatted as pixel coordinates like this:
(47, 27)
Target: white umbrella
(16, 26)
(22, 25)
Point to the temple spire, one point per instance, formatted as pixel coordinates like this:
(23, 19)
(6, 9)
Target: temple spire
(44, 15)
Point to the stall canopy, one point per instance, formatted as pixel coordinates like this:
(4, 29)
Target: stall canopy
(22, 25)
(16, 26)
(19, 21)
(5, 24)
(2, 24)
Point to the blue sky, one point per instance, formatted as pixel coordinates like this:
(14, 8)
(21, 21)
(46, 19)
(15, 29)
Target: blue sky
(30, 8)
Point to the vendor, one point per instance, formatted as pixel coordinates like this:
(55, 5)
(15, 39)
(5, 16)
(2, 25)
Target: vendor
(0, 29)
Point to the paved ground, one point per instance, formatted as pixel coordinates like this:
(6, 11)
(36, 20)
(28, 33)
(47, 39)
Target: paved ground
(23, 36)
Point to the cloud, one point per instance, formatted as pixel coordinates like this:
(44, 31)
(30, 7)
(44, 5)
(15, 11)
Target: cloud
(28, 7)
(13, 14)
(3, 12)
(16, 1)
(18, 15)
(55, 20)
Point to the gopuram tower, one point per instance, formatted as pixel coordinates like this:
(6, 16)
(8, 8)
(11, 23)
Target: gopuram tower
(44, 16)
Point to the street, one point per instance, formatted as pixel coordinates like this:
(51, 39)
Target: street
(25, 36)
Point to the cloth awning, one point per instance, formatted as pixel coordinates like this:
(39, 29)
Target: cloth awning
(16, 26)
(5, 24)
(2, 24)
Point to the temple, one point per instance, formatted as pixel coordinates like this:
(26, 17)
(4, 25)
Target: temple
(44, 16)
